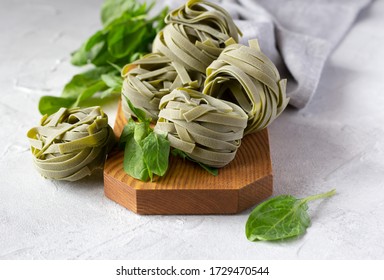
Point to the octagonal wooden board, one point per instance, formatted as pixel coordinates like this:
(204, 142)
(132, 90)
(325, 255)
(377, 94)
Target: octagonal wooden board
(187, 188)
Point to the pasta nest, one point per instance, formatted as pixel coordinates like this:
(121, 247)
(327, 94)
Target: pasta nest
(247, 77)
(71, 143)
(195, 34)
(207, 129)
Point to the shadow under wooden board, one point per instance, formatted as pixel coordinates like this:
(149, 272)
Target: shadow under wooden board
(187, 188)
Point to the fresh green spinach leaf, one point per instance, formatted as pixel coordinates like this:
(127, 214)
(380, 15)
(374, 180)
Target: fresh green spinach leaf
(128, 130)
(146, 153)
(142, 130)
(280, 217)
(127, 30)
(89, 50)
(140, 114)
(108, 92)
(81, 82)
(114, 9)
(51, 104)
(127, 34)
(123, 40)
(89, 92)
(82, 87)
(156, 149)
(112, 80)
(134, 163)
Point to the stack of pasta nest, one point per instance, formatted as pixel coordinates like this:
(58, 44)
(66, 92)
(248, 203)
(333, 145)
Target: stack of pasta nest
(203, 89)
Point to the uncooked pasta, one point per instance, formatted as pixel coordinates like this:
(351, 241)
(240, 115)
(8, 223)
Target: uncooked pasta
(247, 77)
(207, 129)
(152, 77)
(71, 143)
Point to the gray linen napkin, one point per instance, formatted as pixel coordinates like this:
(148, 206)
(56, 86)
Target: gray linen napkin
(297, 35)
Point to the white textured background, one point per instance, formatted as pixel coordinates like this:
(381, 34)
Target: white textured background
(336, 142)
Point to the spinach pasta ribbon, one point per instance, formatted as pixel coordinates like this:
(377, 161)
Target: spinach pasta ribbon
(150, 78)
(207, 129)
(71, 143)
(246, 76)
(195, 34)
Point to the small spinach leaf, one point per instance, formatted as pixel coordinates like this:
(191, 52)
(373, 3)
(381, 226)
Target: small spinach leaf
(134, 163)
(280, 217)
(112, 80)
(142, 130)
(113, 9)
(124, 39)
(128, 130)
(51, 104)
(89, 50)
(81, 82)
(90, 91)
(156, 149)
(146, 152)
(140, 114)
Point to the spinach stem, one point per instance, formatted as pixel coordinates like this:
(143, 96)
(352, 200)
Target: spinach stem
(318, 196)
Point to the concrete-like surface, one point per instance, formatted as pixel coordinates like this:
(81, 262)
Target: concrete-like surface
(335, 142)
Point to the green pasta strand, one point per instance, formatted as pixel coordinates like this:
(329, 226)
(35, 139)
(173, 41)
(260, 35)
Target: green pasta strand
(195, 35)
(246, 76)
(147, 80)
(207, 129)
(71, 143)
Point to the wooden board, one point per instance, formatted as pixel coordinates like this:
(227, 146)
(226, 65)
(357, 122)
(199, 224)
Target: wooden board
(187, 188)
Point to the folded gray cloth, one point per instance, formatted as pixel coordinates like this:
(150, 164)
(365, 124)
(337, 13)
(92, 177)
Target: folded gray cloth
(297, 35)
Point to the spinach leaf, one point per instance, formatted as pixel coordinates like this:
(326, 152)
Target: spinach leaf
(128, 130)
(89, 50)
(145, 152)
(112, 80)
(127, 30)
(108, 92)
(134, 163)
(81, 82)
(125, 23)
(89, 92)
(51, 104)
(156, 149)
(140, 114)
(124, 39)
(82, 87)
(280, 217)
(114, 9)
(141, 131)
(127, 34)
(212, 170)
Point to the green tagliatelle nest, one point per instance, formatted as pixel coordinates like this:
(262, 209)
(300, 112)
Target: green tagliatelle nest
(150, 78)
(71, 143)
(195, 34)
(207, 129)
(246, 76)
